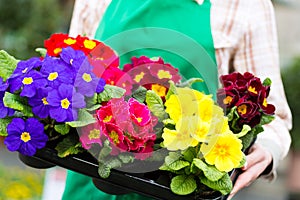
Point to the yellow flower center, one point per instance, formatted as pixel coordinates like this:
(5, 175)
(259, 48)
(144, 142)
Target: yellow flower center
(107, 118)
(44, 100)
(65, 103)
(25, 137)
(57, 50)
(158, 89)
(252, 89)
(115, 137)
(242, 109)
(27, 80)
(87, 77)
(227, 100)
(69, 41)
(139, 77)
(94, 134)
(265, 103)
(139, 119)
(52, 76)
(164, 74)
(89, 44)
(222, 150)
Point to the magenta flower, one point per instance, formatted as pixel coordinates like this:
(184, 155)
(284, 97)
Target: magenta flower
(90, 135)
(139, 112)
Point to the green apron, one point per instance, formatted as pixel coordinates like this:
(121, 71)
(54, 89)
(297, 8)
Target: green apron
(176, 30)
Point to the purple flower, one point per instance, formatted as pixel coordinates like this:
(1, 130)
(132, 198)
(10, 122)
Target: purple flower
(25, 136)
(57, 72)
(73, 57)
(86, 81)
(22, 70)
(100, 86)
(25, 66)
(29, 83)
(4, 111)
(39, 103)
(65, 103)
(3, 85)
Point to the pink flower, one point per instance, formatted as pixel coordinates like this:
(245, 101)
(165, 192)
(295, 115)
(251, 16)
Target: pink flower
(90, 135)
(139, 112)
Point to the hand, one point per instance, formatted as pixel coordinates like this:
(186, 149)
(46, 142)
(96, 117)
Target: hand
(258, 160)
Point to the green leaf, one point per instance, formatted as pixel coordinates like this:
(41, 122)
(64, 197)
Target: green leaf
(84, 119)
(266, 119)
(189, 154)
(267, 82)
(183, 184)
(172, 90)
(126, 158)
(140, 94)
(155, 104)
(41, 51)
(93, 108)
(62, 128)
(68, 146)
(8, 64)
(223, 185)
(243, 161)
(3, 124)
(105, 151)
(210, 172)
(103, 170)
(173, 161)
(245, 130)
(17, 103)
(109, 92)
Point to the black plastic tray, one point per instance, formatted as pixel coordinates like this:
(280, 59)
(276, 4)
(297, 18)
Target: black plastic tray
(152, 184)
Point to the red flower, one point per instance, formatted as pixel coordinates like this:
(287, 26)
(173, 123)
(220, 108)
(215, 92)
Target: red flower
(90, 135)
(58, 41)
(139, 113)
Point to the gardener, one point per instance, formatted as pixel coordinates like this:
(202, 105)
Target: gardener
(237, 35)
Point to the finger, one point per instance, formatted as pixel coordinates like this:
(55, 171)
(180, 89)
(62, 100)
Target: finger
(247, 178)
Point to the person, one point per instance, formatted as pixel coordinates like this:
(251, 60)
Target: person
(238, 35)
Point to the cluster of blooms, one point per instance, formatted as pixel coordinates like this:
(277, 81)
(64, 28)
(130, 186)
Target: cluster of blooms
(78, 83)
(55, 86)
(248, 95)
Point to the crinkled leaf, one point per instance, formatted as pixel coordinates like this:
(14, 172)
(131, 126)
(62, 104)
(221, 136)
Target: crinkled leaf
(183, 184)
(175, 162)
(7, 64)
(210, 171)
(91, 101)
(266, 119)
(223, 185)
(103, 170)
(68, 146)
(62, 128)
(109, 92)
(3, 124)
(189, 154)
(140, 94)
(93, 108)
(84, 119)
(244, 131)
(155, 104)
(17, 103)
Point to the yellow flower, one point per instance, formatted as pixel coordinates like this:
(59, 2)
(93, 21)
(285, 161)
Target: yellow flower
(187, 102)
(181, 137)
(224, 151)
